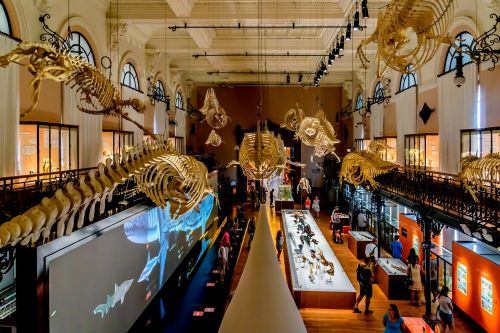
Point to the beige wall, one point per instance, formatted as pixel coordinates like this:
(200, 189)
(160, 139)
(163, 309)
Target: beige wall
(490, 98)
(390, 120)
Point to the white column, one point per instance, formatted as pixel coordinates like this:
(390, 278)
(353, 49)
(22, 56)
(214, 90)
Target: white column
(406, 119)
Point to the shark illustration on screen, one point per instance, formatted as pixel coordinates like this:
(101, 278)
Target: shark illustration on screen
(150, 265)
(111, 300)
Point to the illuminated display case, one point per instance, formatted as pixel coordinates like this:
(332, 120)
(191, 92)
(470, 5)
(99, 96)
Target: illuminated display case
(361, 144)
(46, 147)
(285, 193)
(462, 278)
(357, 241)
(390, 275)
(480, 142)
(486, 295)
(114, 142)
(389, 154)
(422, 151)
(316, 276)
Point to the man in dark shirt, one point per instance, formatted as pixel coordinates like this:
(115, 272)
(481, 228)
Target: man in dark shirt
(365, 287)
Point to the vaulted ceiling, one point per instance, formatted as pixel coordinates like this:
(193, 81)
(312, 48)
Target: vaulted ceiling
(294, 37)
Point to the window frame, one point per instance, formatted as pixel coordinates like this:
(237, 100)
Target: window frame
(405, 80)
(160, 87)
(178, 97)
(378, 93)
(9, 25)
(131, 73)
(450, 63)
(79, 45)
(359, 97)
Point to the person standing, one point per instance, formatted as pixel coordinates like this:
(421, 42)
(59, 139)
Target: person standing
(415, 272)
(396, 248)
(445, 309)
(393, 322)
(365, 279)
(271, 198)
(279, 244)
(307, 203)
(354, 217)
(336, 226)
(371, 250)
(251, 230)
(362, 221)
(412, 255)
(315, 206)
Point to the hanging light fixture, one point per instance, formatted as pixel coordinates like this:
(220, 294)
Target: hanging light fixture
(459, 76)
(364, 9)
(356, 26)
(288, 79)
(341, 44)
(331, 58)
(348, 31)
(300, 78)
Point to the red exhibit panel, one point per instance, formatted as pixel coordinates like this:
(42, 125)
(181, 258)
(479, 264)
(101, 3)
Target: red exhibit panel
(411, 235)
(476, 278)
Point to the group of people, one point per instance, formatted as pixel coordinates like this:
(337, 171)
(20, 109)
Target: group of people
(314, 206)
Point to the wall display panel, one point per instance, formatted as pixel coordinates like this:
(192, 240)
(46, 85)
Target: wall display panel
(486, 295)
(103, 285)
(318, 278)
(462, 278)
(480, 142)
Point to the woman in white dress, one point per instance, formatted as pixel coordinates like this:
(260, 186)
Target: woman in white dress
(415, 272)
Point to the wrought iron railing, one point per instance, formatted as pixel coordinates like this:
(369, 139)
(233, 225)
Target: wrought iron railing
(445, 196)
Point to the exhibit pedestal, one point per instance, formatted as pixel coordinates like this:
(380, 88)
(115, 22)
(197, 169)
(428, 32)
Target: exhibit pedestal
(283, 204)
(390, 276)
(314, 274)
(357, 241)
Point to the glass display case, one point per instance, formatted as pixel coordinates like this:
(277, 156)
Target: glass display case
(361, 144)
(443, 259)
(480, 142)
(285, 192)
(462, 278)
(422, 151)
(114, 142)
(390, 275)
(318, 279)
(46, 147)
(389, 154)
(392, 266)
(486, 295)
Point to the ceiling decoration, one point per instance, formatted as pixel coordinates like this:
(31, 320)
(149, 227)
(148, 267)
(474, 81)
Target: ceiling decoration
(425, 113)
(409, 32)
(363, 167)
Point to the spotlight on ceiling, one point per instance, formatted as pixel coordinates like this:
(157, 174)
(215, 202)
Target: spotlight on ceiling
(331, 58)
(348, 31)
(288, 79)
(341, 44)
(364, 8)
(300, 78)
(356, 19)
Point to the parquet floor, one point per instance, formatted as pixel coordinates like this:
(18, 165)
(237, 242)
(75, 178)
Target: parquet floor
(329, 320)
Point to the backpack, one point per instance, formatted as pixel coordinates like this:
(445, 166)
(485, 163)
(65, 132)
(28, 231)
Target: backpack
(359, 273)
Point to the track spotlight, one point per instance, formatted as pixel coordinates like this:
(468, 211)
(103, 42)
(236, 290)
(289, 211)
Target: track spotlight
(341, 45)
(300, 78)
(348, 31)
(364, 8)
(356, 20)
(288, 79)
(331, 59)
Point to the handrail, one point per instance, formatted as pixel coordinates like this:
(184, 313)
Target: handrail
(38, 175)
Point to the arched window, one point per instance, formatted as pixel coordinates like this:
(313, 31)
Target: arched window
(465, 41)
(359, 102)
(408, 80)
(160, 90)
(129, 76)
(378, 93)
(80, 46)
(4, 20)
(179, 102)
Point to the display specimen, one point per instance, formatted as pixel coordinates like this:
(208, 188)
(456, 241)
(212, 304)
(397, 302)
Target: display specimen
(409, 32)
(215, 116)
(95, 92)
(481, 173)
(161, 173)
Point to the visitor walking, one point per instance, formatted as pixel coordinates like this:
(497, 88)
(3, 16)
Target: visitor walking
(251, 230)
(271, 198)
(307, 203)
(315, 206)
(371, 250)
(415, 273)
(412, 255)
(354, 217)
(279, 244)
(445, 310)
(393, 321)
(396, 248)
(364, 276)
(336, 226)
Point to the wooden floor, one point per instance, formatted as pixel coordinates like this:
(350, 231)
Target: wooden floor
(328, 320)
